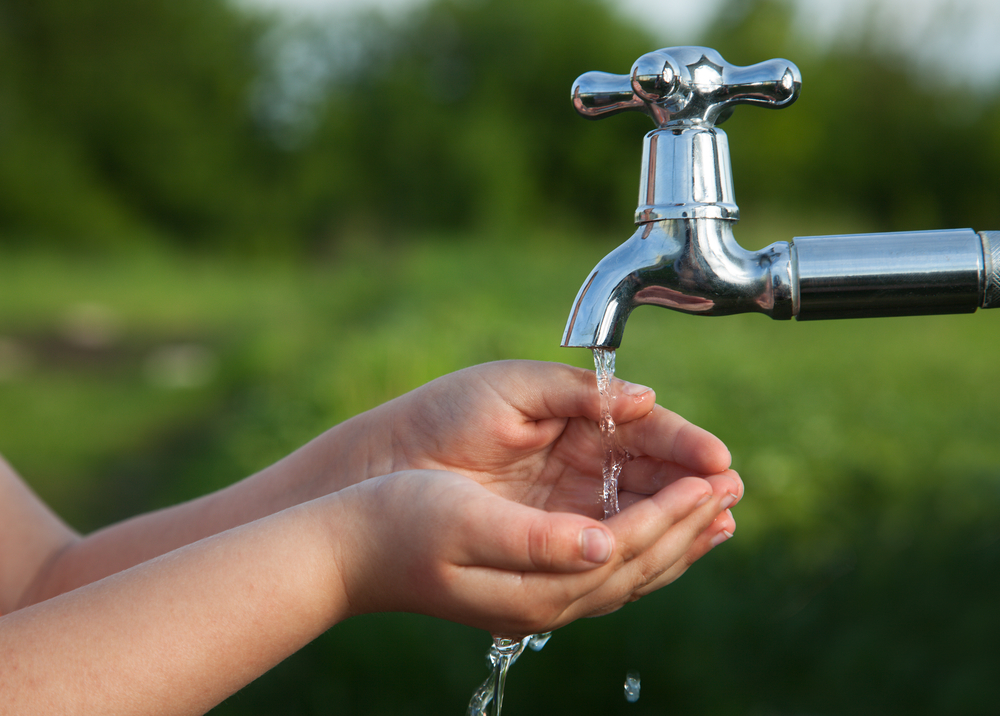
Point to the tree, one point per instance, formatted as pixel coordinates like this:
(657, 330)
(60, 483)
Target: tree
(124, 119)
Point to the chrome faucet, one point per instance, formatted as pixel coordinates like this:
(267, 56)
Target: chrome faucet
(683, 255)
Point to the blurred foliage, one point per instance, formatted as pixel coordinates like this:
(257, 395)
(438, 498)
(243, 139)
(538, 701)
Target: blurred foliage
(151, 119)
(439, 157)
(874, 136)
(863, 575)
(122, 119)
(463, 120)
(192, 122)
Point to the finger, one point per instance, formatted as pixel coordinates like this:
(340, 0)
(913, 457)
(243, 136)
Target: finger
(647, 476)
(727, 482)
(627, 499)
(660, 562)
(606, 589)
(630, 401)
(685, 526)
(720, 531)
(644, 522)
(667, 436)
(506, 535)
(647, 480)
(552, 390)
(657, 531)
(684, 545)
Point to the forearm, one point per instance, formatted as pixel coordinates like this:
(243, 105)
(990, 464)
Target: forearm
(338, 458)
(177, 634)
(388, 438)
(30, 537)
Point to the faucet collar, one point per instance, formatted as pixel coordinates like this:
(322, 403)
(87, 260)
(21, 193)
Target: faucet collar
(686, 174)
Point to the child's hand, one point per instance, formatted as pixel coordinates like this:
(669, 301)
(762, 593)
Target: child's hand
(528, 431)
(438, 543)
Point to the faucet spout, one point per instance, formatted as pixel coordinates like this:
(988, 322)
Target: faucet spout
(683, 255)
(693, 266)
(697, 267)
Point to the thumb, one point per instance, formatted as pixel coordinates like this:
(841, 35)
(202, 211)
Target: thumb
(508, 535)
(553, 390)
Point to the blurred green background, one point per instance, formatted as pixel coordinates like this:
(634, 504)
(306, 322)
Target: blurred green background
(224, 230)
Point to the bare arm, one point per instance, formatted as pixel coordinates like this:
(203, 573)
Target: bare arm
(31, 537)
(242, 580)
(178, 634)
(60, 560)
(181, 632)
(525, 428)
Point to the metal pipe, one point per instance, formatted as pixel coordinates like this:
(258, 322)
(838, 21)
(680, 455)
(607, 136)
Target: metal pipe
(683, 255)
(898, 274)
(697, 267)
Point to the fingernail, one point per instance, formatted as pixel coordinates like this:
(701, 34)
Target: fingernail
(704, 499)
(634, 390)
(721, 537)
(728, 500)
(596, 545)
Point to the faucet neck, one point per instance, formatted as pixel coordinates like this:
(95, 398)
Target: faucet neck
(686, 174)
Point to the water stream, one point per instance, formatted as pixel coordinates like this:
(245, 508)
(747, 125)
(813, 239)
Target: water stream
(615, 456)
(505, 650)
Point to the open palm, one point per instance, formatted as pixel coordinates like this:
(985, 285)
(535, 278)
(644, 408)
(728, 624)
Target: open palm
(542, 447)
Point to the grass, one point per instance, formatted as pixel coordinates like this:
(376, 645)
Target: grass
(863, 576)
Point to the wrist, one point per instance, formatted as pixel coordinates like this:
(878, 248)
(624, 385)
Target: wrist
(347, 520)
(354, 451)
(343, 455)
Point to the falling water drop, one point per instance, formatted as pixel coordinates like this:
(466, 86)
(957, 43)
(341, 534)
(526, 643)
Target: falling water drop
(632, 687)
(537, 642)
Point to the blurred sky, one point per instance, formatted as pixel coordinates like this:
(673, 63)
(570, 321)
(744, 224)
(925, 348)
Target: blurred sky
(950, 38)
(682, 17)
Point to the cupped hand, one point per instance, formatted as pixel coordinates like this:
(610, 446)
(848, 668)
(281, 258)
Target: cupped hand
(528, 431)
(446, 546)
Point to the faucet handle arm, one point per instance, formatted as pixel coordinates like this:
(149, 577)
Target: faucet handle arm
(601, 94)
(773, 84)
(687, 85)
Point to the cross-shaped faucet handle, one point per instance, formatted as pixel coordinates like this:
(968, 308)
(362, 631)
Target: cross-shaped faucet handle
(686, 86)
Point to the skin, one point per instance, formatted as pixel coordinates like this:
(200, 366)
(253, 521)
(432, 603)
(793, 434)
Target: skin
(472, 498)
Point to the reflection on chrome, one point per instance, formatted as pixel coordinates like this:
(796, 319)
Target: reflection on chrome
(683, 255)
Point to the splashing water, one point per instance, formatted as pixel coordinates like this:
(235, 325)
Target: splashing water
(503, 653)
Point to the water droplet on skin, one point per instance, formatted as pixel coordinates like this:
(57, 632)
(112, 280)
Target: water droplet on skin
(537, 641)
